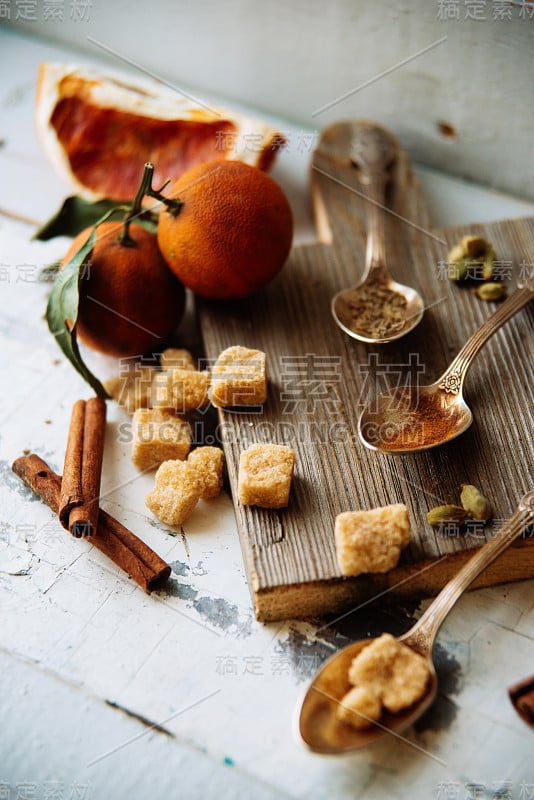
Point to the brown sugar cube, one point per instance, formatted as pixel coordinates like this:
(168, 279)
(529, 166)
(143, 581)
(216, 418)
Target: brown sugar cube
(265, 473)
(157, 436)
(390, 669)
(175, 494)
(360, 707)
(208, 464)
(371, 541)
(181, 389)
(161, 393)
(132, 389)
(177, 358)
(239, 378)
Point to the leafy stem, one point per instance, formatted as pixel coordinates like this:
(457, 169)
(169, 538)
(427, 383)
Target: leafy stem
(146, 189)
(63, 303)
(62, 311)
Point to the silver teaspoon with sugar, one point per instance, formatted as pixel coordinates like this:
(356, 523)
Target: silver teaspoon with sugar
(318, 725)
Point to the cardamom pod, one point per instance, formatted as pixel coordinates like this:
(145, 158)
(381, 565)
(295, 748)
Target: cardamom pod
(472, 257)
(491, 292)
(457, 253)
(488, 264)
(476, 247)
(474, 502)
(443, 514)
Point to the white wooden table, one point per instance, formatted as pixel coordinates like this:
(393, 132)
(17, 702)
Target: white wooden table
(107, 692)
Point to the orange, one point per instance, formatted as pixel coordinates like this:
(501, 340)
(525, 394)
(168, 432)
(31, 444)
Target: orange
(233, 232)
(98, 131)
(129, 299)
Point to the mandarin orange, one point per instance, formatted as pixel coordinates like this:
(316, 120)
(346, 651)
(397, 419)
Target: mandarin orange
(233, 232)
(129, 299)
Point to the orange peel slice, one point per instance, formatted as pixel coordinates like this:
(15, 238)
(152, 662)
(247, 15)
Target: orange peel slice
(99, 130)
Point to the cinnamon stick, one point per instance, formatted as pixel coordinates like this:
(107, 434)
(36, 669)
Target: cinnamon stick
(122, 546)
(522, 697)
(80, 486)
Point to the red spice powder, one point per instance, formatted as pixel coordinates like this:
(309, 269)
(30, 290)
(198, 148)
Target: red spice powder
(413, 419)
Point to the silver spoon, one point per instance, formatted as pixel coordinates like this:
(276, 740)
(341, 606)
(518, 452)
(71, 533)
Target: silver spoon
(378, 309)
(317, 724)
(412, 418)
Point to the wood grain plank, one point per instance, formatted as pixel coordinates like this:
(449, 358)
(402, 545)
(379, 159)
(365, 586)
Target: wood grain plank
(320, 379)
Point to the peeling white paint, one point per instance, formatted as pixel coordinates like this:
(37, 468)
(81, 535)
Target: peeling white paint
(15, 559)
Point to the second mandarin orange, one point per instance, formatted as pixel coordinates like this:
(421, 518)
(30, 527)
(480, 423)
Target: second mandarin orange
(233, 232)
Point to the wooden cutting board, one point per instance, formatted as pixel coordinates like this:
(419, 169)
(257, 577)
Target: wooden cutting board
(319, 380)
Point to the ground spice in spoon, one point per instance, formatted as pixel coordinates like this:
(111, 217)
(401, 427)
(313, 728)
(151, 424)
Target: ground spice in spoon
(375, 310)
(415, 418)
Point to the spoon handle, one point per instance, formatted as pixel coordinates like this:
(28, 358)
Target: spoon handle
(452, 379)
(353, 162)
(372, 153)
(423, 633)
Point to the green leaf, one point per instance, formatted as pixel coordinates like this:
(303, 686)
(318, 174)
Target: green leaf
(49, 272)
(74, 216)
(62, 311)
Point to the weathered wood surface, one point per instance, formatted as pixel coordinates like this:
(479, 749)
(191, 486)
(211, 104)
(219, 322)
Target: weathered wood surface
(320, 379)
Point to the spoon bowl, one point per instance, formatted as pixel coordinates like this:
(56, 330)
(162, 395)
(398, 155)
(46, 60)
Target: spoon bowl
(409, 418)
(413, 418)
(344, 304)
(317, 724)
